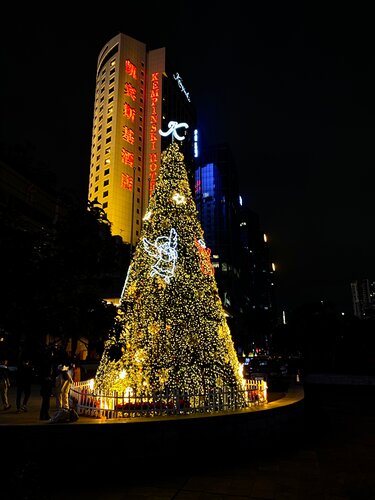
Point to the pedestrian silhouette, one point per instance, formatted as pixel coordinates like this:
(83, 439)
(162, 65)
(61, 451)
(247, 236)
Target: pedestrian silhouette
(24, 378)
(4, 383)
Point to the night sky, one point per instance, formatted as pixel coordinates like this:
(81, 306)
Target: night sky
(289, 88)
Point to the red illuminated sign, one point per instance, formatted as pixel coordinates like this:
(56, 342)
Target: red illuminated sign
(153, 137)
(128, 112)
(130, 91)
(126, 182)
(131, 69)
(128, 134)
(127, 157)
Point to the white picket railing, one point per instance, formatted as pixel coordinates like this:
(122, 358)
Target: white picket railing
(118, 405)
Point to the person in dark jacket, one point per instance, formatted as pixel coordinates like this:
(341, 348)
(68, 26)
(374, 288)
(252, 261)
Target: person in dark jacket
(46, 387)
(24, 379)
(4, 384)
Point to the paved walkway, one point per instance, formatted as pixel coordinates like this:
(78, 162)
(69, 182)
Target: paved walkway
(331, 457)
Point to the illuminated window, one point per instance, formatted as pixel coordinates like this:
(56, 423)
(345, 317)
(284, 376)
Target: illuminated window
(107, 151)
(110, 109)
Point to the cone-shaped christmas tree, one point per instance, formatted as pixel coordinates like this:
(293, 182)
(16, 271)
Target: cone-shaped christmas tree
(171, 332)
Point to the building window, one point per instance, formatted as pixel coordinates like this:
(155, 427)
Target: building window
(111, 90)
(109, 119)
(106, 171)
(105, 204)
(108, 140)
(106, 182)
(96, 178)
(96, 189)
(110, 100)
(108, 130)
(105, 194)
(97, 168)
(107, 151)
(137, 221)
(111, 81)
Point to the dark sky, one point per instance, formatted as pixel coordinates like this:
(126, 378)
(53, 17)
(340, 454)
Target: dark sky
(289, 87)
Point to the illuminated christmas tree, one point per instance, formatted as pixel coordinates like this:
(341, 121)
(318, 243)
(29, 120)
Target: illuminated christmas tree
(171, 332)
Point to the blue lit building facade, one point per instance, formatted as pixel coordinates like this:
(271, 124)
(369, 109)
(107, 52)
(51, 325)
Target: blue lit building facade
(216, 196)
(240, 254)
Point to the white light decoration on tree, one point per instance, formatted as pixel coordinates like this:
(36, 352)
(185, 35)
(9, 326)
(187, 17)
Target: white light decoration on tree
(178, 198)
(147, 215)
(165, 253)
(173, 126)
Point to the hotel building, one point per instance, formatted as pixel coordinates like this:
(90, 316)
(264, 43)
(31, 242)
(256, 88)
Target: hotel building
(137, 94)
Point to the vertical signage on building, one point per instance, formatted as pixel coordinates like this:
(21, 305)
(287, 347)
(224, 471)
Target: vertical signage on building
(153, 137)
(129, 112)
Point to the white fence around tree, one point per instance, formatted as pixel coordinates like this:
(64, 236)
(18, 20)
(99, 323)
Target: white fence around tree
(121, 405)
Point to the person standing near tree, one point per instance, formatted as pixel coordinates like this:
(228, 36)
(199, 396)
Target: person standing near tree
(63, 383)
(46, 386)
(24, 378)
(4, 384)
